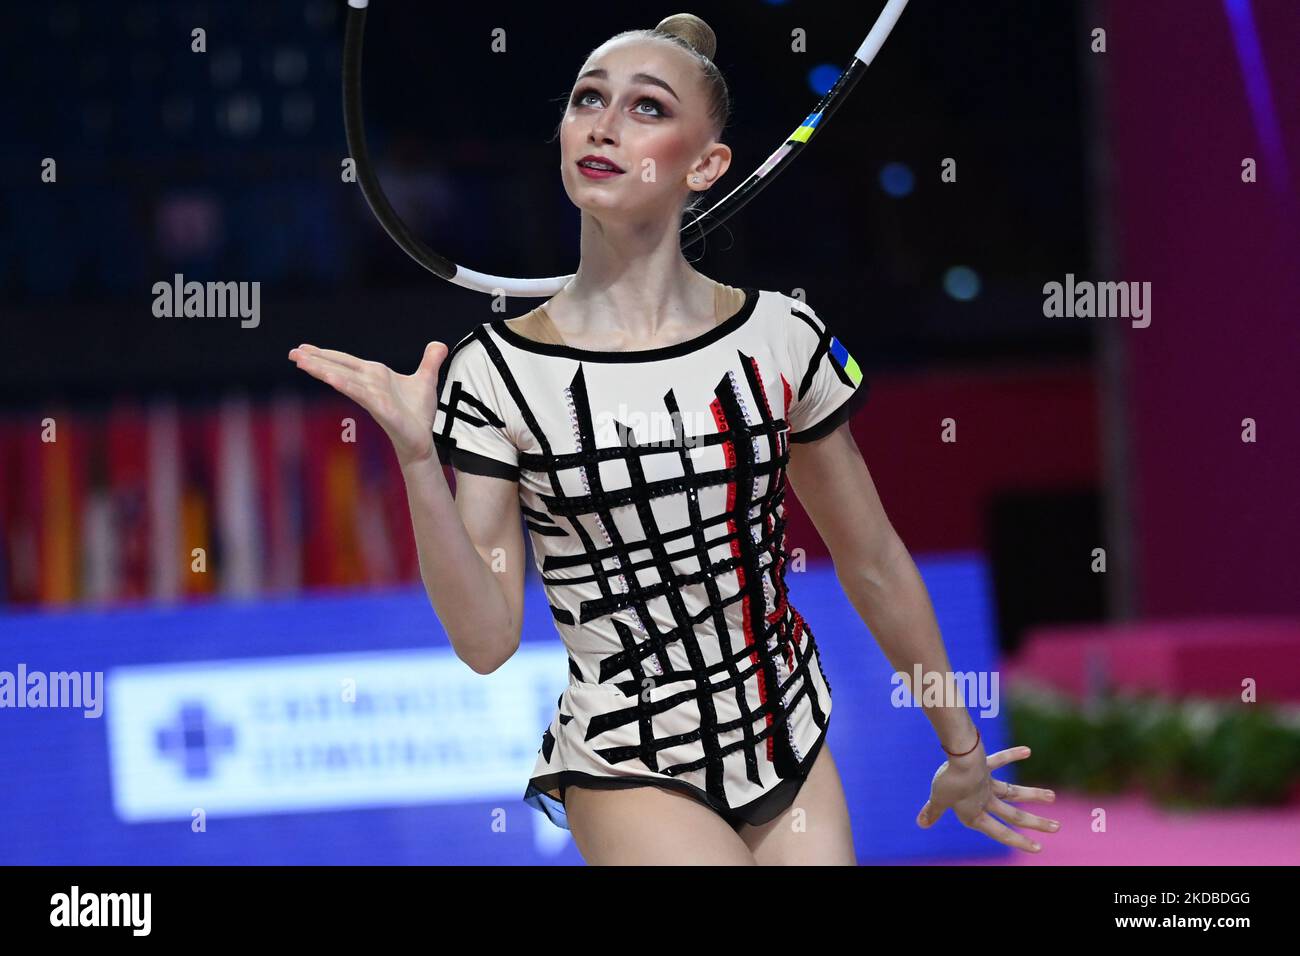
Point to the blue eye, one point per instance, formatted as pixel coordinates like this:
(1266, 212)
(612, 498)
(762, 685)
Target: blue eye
(580, 99)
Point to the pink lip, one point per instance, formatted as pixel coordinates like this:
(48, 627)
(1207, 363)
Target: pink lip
(598, 173)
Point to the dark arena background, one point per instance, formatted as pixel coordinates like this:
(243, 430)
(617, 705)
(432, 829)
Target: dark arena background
(1101, 504)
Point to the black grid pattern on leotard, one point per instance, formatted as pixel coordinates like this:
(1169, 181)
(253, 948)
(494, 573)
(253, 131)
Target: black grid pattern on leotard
(462, 405)
(624, 557)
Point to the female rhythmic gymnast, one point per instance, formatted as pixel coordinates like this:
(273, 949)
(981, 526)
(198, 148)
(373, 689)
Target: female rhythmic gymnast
(642, 423)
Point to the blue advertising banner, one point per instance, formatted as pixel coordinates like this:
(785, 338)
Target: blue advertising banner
(342, 729)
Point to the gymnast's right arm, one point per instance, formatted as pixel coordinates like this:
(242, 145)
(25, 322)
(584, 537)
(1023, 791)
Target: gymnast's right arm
(471, 547)
(471, 559)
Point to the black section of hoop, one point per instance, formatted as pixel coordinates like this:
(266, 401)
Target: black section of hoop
(354, 127)
(710, 219)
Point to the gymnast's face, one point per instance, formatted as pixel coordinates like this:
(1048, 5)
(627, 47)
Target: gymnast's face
(642, 104)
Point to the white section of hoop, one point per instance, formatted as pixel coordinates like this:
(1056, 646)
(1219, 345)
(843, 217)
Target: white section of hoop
(876, 38)
(500, 285)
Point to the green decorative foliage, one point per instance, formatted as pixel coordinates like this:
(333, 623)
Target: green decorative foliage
(1183, 753)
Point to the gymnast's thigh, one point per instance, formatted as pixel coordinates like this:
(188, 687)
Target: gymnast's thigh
(650, 826)
(814, 830)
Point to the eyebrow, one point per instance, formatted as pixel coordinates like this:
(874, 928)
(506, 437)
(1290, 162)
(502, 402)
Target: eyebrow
(638, 77)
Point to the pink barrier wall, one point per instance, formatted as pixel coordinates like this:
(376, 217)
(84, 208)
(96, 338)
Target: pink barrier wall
(1218, 520)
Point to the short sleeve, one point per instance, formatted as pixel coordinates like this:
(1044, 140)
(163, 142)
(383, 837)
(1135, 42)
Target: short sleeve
(469, 427)
(828, 385)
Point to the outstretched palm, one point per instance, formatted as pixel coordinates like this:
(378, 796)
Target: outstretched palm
(403, 405)
(974, 796)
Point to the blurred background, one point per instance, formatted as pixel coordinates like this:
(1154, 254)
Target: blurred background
(1103, 508)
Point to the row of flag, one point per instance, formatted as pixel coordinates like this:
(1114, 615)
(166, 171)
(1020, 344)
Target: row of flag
(164, 501)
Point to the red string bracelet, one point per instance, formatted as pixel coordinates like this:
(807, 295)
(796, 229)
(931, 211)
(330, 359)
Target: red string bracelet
(973, 746)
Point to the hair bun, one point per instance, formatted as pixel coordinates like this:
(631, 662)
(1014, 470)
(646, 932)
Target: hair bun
(690, 28)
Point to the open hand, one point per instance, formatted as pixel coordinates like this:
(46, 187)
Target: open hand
(968, 787)
(403, 405)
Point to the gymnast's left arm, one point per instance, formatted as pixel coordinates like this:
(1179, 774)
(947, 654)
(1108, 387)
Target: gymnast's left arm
(882, 582)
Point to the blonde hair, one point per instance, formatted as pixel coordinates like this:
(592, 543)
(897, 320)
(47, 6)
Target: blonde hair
(689, 28)
(696, 37)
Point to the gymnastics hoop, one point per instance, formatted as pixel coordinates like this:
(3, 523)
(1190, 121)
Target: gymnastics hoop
(714, 216)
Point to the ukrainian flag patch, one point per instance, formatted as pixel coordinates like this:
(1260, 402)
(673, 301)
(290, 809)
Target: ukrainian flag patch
(845, 360)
